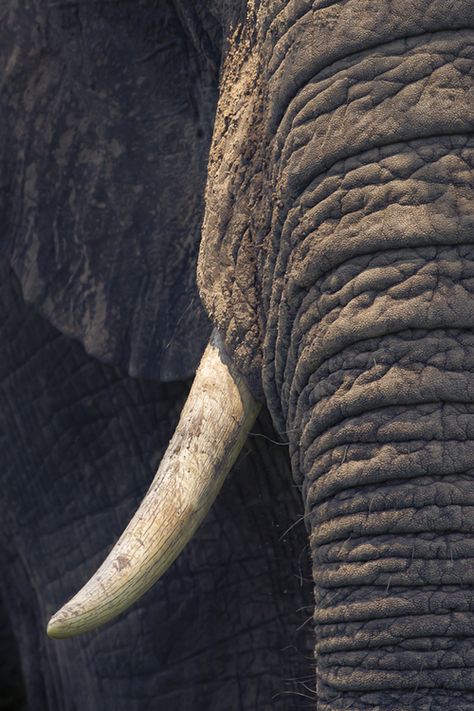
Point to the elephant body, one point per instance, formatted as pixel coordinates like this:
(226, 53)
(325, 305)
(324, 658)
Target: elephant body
(318, 155)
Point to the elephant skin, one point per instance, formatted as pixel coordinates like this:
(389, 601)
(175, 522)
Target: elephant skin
(318, 154)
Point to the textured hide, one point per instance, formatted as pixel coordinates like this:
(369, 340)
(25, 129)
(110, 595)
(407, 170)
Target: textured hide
(106, 115)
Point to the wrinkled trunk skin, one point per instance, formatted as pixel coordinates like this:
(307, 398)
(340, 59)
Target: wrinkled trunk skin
(375, 369)
(381, 398)
(367, 283)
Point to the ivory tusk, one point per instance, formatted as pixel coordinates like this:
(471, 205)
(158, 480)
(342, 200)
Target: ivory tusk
(212, 429)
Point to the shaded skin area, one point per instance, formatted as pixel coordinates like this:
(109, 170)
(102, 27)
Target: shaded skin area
(228, 625)
(12, 689)
(107, 111)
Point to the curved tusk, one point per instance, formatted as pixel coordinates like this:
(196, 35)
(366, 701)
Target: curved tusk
(212, 429)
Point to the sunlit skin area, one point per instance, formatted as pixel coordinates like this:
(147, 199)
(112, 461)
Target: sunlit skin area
(237, 355)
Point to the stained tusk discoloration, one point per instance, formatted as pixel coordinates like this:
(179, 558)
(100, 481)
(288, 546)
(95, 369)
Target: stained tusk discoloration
(214, 424)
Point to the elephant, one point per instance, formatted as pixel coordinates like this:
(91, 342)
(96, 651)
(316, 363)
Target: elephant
(258, 213)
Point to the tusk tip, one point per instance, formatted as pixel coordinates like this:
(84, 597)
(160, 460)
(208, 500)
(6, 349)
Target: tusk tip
(61, 625)
(57, 627)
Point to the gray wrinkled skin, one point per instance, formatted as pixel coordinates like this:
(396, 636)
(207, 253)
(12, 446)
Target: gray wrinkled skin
(336, 260)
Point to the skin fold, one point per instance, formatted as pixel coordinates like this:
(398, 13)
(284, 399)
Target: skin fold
(318, 155)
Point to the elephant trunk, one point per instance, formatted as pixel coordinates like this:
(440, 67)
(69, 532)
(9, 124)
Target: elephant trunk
(388, 454)
(368, 362)
(378, 386)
